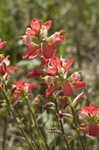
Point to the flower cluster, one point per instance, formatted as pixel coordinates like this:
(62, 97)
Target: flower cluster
(58, 70)
(38, 42)
(5, 69)
(90, 115)
(20, 86)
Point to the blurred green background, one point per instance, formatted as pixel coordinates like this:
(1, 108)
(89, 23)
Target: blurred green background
(79, 19)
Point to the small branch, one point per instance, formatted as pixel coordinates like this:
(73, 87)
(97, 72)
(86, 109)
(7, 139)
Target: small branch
(37, 127)
(61, 127)
(76, 121)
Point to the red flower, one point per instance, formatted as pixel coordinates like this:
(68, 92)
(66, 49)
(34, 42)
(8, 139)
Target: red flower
(2, 44)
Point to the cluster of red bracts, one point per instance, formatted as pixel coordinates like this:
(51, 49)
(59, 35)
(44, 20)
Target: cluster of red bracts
(90, 114)
(5, 68)
(4, 62)
(38, 42)
(58, 71)
(21, 86)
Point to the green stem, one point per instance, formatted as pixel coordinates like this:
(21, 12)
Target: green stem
(76, 121)
(33, 122)
(13, 114)
(61, 127)
(37, 127)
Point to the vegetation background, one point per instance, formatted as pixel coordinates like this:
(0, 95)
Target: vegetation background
(79, 20)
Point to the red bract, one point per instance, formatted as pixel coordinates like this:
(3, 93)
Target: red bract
(35, 73)
(50, 90)
(79, 84)
(36, 25)
(67, 89)
(56, 62)
(48, 51)
(69, 64)
(53, 71)
(31, 53)
(48, 24)
(2, 44)
(56, 38)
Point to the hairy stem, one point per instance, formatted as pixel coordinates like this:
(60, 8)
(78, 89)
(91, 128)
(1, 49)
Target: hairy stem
(61, 126)
(37, 127)
(76, 121)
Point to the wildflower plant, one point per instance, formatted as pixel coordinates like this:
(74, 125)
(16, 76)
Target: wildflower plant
(52, 89)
